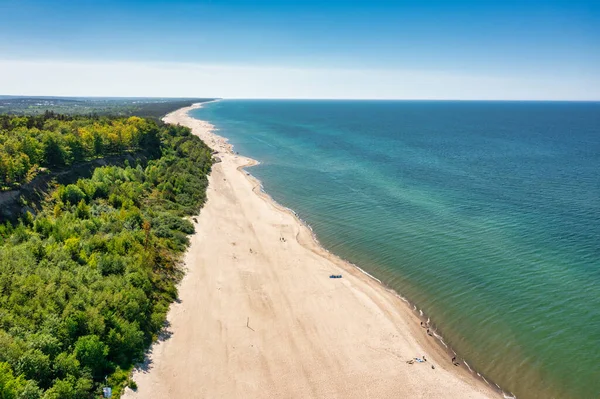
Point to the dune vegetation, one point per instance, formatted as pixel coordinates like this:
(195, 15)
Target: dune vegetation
(86, 282)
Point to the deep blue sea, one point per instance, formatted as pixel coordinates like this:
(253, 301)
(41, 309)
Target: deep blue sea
(486, 215)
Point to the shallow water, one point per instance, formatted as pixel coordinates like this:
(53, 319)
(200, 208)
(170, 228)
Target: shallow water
(484, 214)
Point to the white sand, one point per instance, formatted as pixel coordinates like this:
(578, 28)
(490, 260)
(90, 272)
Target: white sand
(308, 336)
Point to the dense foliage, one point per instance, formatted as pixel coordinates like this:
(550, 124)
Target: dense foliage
(54, 141)
(86, 283)
(143, 107)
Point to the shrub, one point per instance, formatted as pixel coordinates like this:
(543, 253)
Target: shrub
(72, 194)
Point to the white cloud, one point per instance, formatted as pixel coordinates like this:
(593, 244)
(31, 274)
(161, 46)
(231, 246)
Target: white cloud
(62, 78)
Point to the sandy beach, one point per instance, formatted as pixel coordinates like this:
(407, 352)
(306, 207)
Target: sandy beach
(259, 317)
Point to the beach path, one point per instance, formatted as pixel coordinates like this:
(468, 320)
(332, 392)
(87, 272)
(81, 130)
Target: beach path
(259, 317)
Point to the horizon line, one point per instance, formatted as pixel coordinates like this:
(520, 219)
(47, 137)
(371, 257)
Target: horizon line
(6, 96)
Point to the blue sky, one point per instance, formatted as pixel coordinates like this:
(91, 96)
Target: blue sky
(309, 49)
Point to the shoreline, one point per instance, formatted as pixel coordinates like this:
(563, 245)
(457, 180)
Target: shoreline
(395, 309)
(321, 250)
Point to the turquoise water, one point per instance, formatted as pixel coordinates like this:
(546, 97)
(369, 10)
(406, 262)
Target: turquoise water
(486, 215)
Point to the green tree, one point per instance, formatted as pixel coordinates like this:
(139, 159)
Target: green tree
(10, 386)
(83, 210)
(76, 148)
(91, 352)
(72, 194)
(54, 154)
(30, 391)
(66, 364)
(34, 364)
(69, 388)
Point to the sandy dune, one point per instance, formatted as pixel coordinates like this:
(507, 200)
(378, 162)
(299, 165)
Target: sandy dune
(259, 317)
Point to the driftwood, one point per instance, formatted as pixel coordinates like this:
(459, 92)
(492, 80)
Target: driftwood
(248, 324)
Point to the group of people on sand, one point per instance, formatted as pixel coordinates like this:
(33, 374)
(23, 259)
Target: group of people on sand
(430, 333)
(426, 325)
(422, 359)
(417, 359)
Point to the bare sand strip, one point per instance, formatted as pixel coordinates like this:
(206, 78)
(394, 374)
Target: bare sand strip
(259, 317)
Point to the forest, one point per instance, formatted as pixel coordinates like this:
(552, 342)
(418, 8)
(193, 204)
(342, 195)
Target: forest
(146, 107)
(85, 283)
(30, 145)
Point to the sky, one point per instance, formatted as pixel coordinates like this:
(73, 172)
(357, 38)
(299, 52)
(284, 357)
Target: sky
(488, 50)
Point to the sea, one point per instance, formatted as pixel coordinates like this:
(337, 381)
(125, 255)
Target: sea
(484, 215)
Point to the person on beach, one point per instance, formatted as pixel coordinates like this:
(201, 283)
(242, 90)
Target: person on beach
(429, 332)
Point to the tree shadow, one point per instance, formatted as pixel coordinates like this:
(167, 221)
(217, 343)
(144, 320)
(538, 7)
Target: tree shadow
(164, 334)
